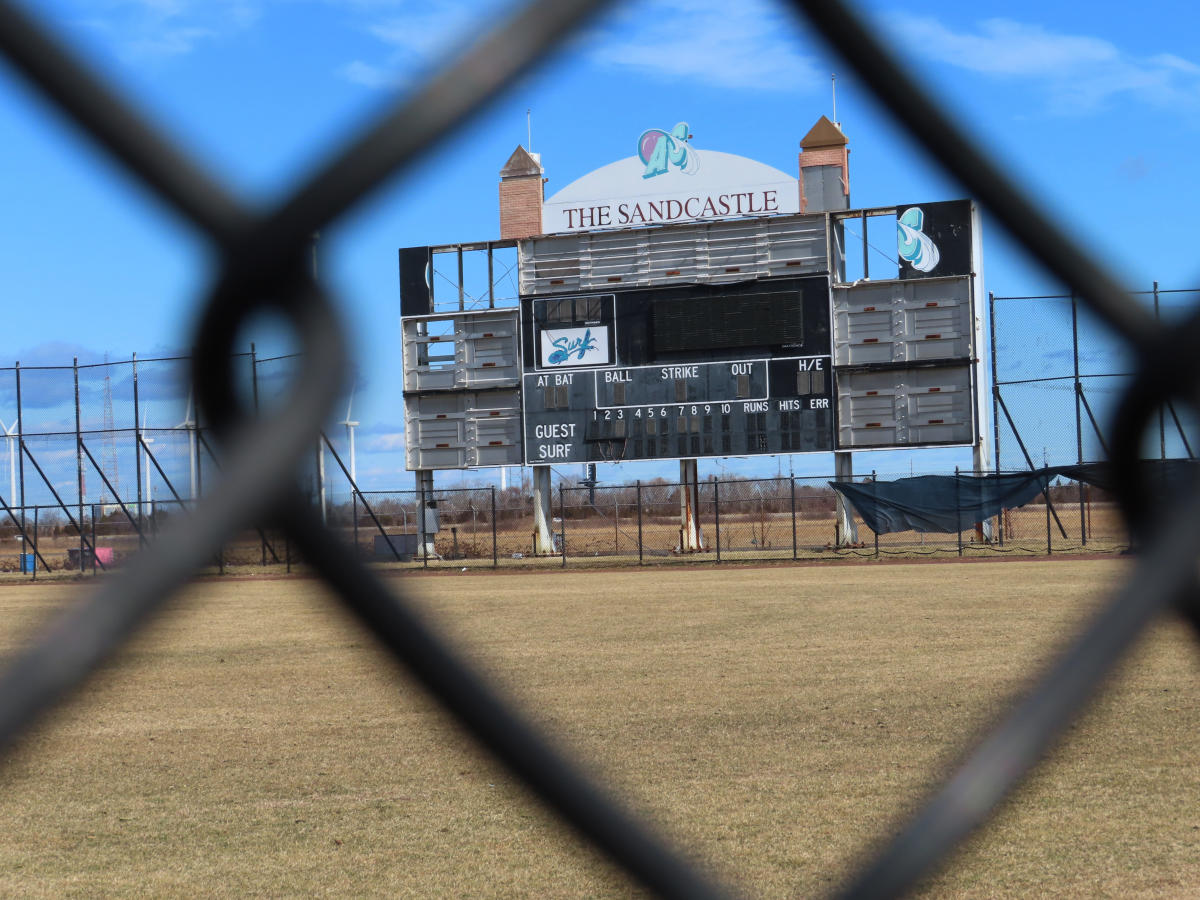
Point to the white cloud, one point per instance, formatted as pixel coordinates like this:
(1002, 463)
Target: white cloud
(745, 45)
(1079, 72)
(385, 443)
(367, 75)
(414, 37)
(148, 30)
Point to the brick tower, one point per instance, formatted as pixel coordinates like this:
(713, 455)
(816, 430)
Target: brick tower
(521, 195)
(824, 169)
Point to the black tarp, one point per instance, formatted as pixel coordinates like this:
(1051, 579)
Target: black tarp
(945, 503)
(952, 503)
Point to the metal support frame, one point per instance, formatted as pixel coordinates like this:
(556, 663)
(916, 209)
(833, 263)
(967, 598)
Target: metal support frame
(1050, 511)
(116, 496)
(360, 498)
(21, 531)
(691, 534)
(59, 500)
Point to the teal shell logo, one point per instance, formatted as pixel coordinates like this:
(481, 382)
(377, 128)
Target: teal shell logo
(658, 150)
(913, 244)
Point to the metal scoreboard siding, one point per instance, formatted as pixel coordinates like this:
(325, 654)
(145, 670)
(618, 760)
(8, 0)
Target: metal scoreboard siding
(734, 378)
(905, 349)
(461, 390)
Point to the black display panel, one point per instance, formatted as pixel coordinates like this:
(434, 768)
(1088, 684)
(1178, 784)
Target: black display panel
(415, 265)
(747, 320)
(680, 371)
(697, 322)
(731, 408)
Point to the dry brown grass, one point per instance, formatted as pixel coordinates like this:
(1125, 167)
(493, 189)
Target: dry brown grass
(776, 722)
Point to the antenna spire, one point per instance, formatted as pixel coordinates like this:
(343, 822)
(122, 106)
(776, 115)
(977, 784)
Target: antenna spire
(833, 88)
(529, 130)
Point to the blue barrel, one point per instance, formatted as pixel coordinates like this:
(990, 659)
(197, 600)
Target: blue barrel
(28, 563)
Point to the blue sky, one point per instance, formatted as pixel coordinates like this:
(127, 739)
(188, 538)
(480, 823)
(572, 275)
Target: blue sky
(1096, 111)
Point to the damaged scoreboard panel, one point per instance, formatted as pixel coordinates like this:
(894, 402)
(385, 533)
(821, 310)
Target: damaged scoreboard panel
(682, 371)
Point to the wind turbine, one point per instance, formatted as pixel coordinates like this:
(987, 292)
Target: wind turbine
(12, 458)
(189, 424)
(146, 461)
(350, 426)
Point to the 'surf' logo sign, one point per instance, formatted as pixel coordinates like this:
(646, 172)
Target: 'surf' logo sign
(565, 346)
(913, 244)
(658, 149)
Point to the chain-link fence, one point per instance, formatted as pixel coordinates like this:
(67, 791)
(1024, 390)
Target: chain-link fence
(99, 457)
(1058, 374)
(737, 520)
(262, 268)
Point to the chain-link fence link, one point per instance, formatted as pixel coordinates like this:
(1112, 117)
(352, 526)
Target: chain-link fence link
(262, 268)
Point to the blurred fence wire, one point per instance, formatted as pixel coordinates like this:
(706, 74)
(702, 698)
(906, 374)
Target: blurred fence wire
(262, 266)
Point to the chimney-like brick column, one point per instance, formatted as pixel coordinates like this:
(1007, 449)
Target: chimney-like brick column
(521, 196)
(824, 168)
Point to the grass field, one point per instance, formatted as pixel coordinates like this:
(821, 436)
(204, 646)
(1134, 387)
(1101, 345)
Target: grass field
(776, 722)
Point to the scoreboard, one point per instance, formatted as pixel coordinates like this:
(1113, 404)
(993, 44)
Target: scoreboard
(729, 338)
(685, 371)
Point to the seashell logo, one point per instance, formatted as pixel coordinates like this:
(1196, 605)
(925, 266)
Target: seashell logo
(913, 244)
(658, 149)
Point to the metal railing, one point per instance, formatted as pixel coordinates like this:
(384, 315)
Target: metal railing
(263, 266)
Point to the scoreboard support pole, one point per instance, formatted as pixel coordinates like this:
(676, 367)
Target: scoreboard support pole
(543, 517)
(425, 539)
(691, 537)
(843, 467)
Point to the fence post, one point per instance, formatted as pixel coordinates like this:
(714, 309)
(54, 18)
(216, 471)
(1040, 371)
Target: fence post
(21, 440)
(1078, 411)
(995, 404)
(1162, 426)
(137, 454)
(562, 524)
(639, 511)
(354, 513)
(792, 479)
(421, 530)
(1047, 497)
(875, 497)
(495, 549)
(957, 512)
(717, 514)
(78, 462)
(35, 542)
(93, 544)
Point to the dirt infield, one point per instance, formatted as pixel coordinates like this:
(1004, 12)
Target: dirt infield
(773, 720)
